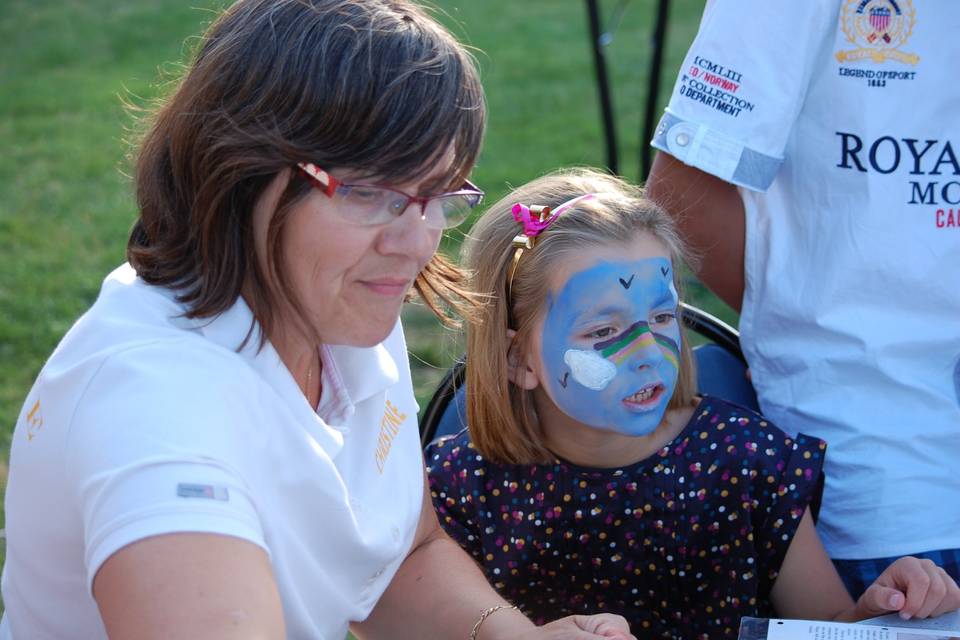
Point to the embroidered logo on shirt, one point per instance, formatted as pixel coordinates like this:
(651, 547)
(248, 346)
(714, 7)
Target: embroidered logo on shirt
(34, 421)
(210, 492)
(389, 428)
(878, 28)
(714, 85)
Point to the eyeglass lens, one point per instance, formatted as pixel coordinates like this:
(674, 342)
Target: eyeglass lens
(378, 205)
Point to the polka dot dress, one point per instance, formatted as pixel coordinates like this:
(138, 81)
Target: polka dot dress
(683, 543)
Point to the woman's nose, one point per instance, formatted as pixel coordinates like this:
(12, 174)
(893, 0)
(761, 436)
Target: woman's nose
(410, 236)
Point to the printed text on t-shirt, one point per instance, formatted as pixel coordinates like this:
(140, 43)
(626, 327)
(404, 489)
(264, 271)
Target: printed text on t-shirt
(389, 428)
(715, 86)
(931, 164)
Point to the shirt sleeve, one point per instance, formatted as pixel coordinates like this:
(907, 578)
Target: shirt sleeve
(450, 472)
(159, 444)
(741, 87)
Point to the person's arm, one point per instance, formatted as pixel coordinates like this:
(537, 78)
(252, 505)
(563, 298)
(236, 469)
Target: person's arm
(709, 213)
(809, 587)
(189, 585)
(439, 592)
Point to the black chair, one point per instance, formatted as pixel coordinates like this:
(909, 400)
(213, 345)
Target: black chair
(601, 35)
(721, 372)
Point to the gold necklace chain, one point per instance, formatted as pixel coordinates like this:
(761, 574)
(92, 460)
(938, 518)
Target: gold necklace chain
(309, 389)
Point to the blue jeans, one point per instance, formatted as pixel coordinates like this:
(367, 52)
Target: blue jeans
(857, 575)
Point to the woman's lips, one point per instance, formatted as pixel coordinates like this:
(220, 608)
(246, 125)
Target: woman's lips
(388, 286)
(646, 399)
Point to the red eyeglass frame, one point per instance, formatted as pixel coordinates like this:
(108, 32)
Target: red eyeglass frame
(328, 185)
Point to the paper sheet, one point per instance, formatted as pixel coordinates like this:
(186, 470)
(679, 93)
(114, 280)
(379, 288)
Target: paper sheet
(775, 629)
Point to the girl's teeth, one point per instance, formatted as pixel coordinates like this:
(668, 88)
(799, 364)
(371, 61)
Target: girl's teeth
(644, 395)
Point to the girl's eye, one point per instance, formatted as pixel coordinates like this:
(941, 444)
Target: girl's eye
(664, 317)
(603, 332)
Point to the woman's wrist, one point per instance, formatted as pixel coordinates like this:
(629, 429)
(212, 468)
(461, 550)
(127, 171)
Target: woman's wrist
(500, 622)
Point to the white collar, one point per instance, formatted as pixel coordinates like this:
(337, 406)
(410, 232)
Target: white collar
(359, 372)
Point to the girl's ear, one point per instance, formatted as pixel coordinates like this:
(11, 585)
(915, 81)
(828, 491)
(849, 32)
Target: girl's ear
(519, 372)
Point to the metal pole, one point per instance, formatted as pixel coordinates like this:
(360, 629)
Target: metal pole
(658, 42)
(603, 87)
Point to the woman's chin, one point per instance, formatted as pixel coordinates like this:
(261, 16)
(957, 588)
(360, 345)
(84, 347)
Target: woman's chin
(369, 335)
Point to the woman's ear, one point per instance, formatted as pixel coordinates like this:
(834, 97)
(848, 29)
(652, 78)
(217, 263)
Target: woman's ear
(518, 368)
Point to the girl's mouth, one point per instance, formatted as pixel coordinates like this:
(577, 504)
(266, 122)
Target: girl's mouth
(648, 397)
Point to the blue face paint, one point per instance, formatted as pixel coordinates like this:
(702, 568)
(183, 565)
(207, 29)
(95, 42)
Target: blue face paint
(956, 381)
(611, 345)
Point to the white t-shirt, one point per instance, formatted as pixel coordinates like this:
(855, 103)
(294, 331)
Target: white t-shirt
(143, 422)
(839, 121)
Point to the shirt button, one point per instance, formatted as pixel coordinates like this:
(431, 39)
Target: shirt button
(682, 139)
(396, 533)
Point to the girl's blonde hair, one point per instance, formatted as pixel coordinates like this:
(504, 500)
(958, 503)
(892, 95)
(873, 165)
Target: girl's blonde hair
(501, 415)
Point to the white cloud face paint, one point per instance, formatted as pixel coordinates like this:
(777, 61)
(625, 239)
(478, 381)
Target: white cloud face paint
(589, 368)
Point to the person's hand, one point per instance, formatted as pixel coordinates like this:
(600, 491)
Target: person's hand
(915, 588)
(603, 625)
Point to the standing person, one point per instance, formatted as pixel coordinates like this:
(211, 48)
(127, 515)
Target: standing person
(225, 444)
(809, 155)
(591, 477)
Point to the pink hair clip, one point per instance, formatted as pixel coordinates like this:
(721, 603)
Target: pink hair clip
(534, 220)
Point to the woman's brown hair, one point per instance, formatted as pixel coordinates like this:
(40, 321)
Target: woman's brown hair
(376, 87)
(501, 415)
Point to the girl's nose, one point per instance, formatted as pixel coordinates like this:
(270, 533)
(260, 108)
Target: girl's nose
(636, 347)
(648, 353)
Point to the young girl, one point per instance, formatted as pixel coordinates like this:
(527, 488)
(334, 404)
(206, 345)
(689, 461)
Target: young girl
(592, 477)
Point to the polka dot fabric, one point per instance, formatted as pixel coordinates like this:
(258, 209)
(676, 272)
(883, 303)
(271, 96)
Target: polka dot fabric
(683, 543)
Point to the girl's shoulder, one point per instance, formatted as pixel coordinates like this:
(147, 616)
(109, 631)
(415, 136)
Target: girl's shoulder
(455, 461)
(450, 444)
(743, 430)
(452, 456)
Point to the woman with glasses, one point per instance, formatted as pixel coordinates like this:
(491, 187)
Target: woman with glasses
(225, 444)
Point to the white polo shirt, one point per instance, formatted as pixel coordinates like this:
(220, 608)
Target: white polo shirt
(839, 121)
(144, 423)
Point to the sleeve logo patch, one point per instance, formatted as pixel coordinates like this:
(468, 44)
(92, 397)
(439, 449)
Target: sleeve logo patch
(208, 491)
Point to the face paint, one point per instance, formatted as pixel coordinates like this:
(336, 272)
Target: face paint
(956, 381)
(611, 345)
(589, 369)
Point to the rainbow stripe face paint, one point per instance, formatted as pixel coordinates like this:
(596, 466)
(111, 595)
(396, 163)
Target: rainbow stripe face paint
(611, 345)
(637, 337)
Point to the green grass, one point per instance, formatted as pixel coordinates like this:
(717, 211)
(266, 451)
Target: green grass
(67, 67)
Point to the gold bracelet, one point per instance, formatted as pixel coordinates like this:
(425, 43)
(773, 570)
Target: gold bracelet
(486, 613)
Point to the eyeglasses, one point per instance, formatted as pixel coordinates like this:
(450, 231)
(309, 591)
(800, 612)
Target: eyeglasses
(371, 204)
